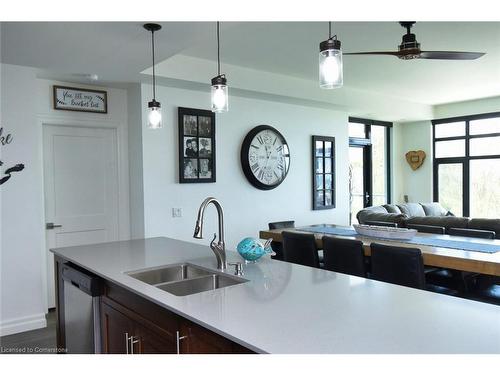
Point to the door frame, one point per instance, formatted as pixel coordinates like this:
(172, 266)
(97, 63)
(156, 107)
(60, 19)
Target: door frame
(121, 138)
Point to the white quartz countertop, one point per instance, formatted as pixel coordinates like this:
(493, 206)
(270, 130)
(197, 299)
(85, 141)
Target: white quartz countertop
(287, 308)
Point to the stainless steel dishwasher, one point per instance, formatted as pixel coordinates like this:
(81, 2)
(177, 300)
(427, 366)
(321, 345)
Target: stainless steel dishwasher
(81, 310)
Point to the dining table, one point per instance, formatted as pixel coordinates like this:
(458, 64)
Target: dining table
(451, 252)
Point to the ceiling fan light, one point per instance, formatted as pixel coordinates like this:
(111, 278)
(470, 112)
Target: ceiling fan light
(330, 64)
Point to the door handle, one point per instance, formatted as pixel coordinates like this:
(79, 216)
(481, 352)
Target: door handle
(127, 339)
(52, 226)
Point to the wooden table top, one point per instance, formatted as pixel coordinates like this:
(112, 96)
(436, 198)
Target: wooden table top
(464, 260)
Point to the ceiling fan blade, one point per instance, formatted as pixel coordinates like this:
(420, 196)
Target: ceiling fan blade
(450, 55)
(390, 53)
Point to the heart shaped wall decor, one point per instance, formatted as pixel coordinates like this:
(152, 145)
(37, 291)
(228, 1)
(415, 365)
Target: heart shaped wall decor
(415, 159)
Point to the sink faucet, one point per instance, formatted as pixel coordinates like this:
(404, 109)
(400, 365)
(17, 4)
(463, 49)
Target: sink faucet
(218, 248)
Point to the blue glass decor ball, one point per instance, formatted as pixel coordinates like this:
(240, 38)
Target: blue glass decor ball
(252, 249)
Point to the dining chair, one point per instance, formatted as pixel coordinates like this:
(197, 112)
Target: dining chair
(381, 223)
(300, 248)
(427, 228)
(278, 246)
(462, 281)
(397, 265)
(476, 233)
(344, 256)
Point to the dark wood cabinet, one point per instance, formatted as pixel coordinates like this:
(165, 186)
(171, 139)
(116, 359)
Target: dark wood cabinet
(116, 330)
(133, 325)
(199, 340)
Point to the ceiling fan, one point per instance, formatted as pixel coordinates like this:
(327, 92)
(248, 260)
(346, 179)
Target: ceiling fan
(410, 49)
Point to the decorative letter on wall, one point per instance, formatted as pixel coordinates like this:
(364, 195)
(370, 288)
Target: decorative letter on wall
(415, 159)
(6, 175)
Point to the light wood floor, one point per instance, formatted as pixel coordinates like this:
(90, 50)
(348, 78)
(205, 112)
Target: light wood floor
(38, 341)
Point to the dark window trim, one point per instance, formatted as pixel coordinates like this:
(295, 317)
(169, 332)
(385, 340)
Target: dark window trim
(464, 160)
(366, 143)
(480, 116)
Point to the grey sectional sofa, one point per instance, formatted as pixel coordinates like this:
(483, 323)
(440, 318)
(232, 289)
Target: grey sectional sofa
(425, 214)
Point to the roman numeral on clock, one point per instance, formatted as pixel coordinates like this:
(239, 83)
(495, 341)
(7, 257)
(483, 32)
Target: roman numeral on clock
(260, 139)
(255, 167)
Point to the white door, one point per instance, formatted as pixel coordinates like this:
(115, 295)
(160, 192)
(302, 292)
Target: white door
(81, 189)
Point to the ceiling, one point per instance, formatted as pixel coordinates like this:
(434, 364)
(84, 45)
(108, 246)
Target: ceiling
(119, 51)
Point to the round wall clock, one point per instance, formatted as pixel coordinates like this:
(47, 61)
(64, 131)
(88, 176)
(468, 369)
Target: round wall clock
(265, 157)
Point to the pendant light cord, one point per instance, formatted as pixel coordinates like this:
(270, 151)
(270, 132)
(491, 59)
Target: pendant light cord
(218, 50)
(330, 31)
(154, 76)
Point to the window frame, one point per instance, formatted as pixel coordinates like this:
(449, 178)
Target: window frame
(366, 144)
(464, 160)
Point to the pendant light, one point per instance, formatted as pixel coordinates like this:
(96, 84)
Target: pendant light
(154, 107)
(219, 85)
(330, 62)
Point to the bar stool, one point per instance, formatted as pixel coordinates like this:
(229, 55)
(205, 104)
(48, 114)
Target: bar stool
(398, 265)
(300, 248)
(344, 256)
(278, 246)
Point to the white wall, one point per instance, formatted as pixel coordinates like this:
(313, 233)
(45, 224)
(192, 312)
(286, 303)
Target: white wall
(247, 210)
(26, 105)
(471, 107)
(23, 237)
(416, 184)
(135, 161)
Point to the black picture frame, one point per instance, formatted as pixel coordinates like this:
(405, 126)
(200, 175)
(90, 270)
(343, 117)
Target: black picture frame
(323, 173)
(197, 151)
(61, 106)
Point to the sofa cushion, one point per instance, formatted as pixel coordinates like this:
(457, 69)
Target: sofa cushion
(434, 209)
(440, 221)
(411, 209)
(486, 224)
(392, 208)
(368, 215)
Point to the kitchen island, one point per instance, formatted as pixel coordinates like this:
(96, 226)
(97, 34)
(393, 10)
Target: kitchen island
(288, 308)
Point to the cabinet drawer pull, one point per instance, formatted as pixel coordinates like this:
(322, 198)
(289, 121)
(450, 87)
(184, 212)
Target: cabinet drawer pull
(178, 340)
(133, 340)
(127, 338)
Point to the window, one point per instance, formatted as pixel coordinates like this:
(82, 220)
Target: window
(369, 166)
(467, 165)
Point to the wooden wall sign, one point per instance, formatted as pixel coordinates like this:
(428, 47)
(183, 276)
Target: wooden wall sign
(415, 159)
(81, 100)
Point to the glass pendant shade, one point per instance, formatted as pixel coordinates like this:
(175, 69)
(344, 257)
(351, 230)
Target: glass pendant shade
(154, 115)
(219, 94)
(330, 65)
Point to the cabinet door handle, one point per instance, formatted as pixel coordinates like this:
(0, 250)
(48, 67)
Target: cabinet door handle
(127, 339)
(133, 341)
(178, 340)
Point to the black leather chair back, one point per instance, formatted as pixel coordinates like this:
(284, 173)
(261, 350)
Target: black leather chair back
(300, 248)
(477, 233)
(282, 224)
(398, 265)
(381, 223)
(427, 228)
(278, 246)
(343, 255)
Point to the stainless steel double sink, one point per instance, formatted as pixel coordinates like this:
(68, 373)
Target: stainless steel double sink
(185, 278)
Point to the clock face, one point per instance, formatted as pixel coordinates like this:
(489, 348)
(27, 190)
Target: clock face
(265, 157)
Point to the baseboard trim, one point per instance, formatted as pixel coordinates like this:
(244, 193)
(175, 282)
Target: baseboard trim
(27, 323)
